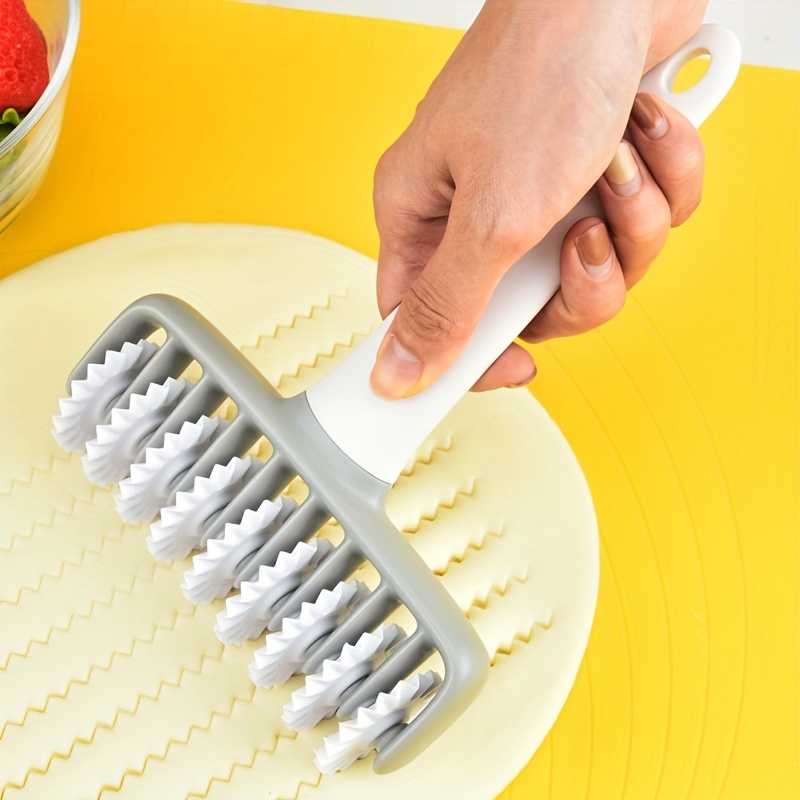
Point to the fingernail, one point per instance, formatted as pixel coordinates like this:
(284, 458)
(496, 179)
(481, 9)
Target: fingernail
(397, 370)
(623, 173)
(595, 252)
(527, 380)
(648, 116)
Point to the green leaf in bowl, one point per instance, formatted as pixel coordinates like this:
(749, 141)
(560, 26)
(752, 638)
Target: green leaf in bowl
(8, 121)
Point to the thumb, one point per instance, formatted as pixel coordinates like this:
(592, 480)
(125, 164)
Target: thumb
(439, 310)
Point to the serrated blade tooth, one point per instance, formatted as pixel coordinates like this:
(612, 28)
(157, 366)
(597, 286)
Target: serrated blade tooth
(110, 454)
(248, 592)
(286, 649)
(292, 627)
(357, 737)
(329, 601)
(329, 758)
(214, 549)
(180, 528)
(213, 573)
(145, 492)
(314, 685)
(330, 671)
(90, 397)
(322, 694)
(247, 614)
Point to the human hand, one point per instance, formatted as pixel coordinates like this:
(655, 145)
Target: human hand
(516, 128)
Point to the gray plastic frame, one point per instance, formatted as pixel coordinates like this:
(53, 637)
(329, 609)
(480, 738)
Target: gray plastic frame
(338, 488)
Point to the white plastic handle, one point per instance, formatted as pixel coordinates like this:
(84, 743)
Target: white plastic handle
(381, 435)
(697, 102)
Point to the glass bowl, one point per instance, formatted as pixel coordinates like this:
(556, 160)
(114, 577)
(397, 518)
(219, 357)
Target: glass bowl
(26, 152)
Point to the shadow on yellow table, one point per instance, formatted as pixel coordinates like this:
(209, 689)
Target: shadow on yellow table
(683, 411)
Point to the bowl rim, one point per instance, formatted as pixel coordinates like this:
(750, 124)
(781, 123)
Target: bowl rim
(56, 81)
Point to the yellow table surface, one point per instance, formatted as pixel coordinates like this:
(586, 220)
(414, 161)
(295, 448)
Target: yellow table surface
(683, 411)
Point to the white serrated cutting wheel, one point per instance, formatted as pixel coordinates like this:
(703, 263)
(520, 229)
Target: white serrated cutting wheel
(90, 398)
(147, 490)
(213, 572)
(321, 695)
(248, 613)
(110, 454)
(286, 649)
(357, 737)
(180, 528)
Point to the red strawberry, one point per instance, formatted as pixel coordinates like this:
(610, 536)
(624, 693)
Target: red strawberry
(23, 58)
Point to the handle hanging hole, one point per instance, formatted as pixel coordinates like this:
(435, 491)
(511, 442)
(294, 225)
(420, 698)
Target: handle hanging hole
(691, 72)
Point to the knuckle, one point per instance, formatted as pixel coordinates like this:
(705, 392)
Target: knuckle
(605, 309)
(511, 234)
(499, 230)
(386, 190)
(651, 225)
(432, 314)
(684, 165)
(596, 309)
(382, 166)
(499, 220)
(685, 209)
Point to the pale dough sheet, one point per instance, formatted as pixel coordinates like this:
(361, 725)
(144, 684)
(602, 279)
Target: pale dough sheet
(112, 683)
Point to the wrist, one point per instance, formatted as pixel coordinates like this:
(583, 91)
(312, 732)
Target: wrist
(622, 25)
(653, 28)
